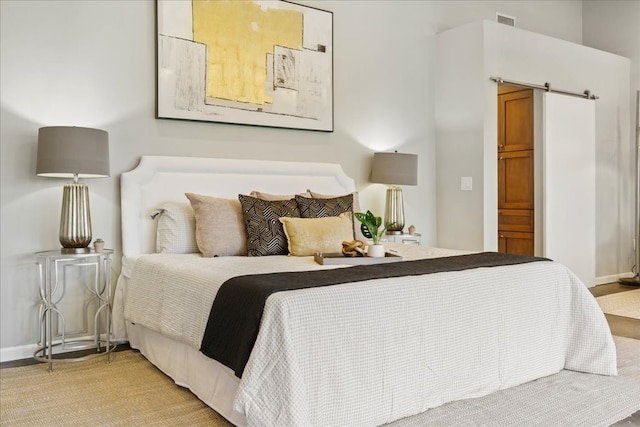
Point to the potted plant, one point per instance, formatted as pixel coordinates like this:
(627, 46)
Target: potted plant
(373, 229)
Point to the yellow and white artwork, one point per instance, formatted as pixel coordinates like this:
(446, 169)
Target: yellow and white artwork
(265, 63)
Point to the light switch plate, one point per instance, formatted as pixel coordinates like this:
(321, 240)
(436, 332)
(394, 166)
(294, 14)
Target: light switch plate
(466, 183)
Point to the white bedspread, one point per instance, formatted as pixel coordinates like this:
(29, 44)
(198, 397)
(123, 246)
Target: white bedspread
(372, 352)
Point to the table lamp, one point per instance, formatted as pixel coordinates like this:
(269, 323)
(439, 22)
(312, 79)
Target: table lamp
(394, 169)
(73, 152)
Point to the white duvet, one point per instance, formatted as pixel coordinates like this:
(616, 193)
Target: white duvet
(372, 352)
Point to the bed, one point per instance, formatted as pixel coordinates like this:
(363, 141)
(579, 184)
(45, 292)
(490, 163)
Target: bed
(364, 353)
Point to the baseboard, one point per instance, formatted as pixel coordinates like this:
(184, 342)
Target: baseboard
(17, 353)
(603, 280)
(22, 352)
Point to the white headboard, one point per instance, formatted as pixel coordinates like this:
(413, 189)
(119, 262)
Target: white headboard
(157, 179)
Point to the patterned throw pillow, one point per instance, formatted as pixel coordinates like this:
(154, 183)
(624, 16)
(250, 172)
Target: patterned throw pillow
(269, 196)
(265, 235)
(321, 208)
(356, 208)
(356, 198)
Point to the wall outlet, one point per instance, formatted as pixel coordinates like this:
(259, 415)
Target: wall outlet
(466, 183)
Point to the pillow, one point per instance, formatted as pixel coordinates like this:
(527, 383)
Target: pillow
(356, 208)
(356, 199)
(176, 229)
(320, 208)
(264, 232)
(267, 196)
(219, 226)
(308, 236)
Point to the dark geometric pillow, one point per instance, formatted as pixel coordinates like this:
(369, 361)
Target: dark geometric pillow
(321, 208)
(265, 235)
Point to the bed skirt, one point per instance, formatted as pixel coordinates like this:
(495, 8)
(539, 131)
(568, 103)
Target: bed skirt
(213, 383)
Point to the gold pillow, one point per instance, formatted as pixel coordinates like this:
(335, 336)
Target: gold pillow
(308, 236)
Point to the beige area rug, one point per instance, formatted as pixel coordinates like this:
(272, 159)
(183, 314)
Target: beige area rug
(131, 392)
(625, 304)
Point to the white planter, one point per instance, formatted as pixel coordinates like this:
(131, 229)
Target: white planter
(375, 251)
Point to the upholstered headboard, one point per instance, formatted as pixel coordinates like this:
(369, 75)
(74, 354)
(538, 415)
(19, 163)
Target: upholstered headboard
(158, 179)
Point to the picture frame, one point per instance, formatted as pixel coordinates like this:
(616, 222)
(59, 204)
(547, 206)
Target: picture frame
(263, 63)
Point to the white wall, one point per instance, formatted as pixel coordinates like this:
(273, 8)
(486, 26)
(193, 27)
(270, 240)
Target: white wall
(614, 26)
(92, 63)
(467, 131)
(558, 19)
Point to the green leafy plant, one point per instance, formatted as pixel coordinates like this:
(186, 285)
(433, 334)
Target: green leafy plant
(371, 226)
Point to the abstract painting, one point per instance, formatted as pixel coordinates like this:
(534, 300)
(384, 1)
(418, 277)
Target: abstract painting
(252, 62)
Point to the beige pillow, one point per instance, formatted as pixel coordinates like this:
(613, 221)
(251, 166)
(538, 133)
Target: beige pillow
(308, 236)
(220, 229)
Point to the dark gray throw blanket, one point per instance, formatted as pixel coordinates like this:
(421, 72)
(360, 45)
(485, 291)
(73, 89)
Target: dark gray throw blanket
(236, 313)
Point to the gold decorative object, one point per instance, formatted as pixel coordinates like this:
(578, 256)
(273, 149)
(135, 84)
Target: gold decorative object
(353, 248)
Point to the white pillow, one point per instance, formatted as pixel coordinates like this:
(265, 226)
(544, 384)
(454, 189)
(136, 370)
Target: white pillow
(176, 229)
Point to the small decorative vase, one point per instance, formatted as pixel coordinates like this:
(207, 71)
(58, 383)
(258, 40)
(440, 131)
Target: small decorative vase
(375, 251)
(98, 245)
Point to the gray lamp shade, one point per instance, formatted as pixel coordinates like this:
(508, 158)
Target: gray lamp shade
(65, 151)
(395, 168)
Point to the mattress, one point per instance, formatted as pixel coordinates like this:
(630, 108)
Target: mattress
(373, 352)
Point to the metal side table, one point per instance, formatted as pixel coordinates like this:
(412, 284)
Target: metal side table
(407, 239)
(68, 282)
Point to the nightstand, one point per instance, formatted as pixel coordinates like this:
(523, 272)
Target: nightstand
(409, 239)
(75, 306)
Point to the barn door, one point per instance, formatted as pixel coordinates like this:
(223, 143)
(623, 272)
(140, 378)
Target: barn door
(569, 183)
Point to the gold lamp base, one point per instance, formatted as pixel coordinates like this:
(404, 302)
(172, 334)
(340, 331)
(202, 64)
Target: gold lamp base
(75, 219)
(75, 250)
(394, 211)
